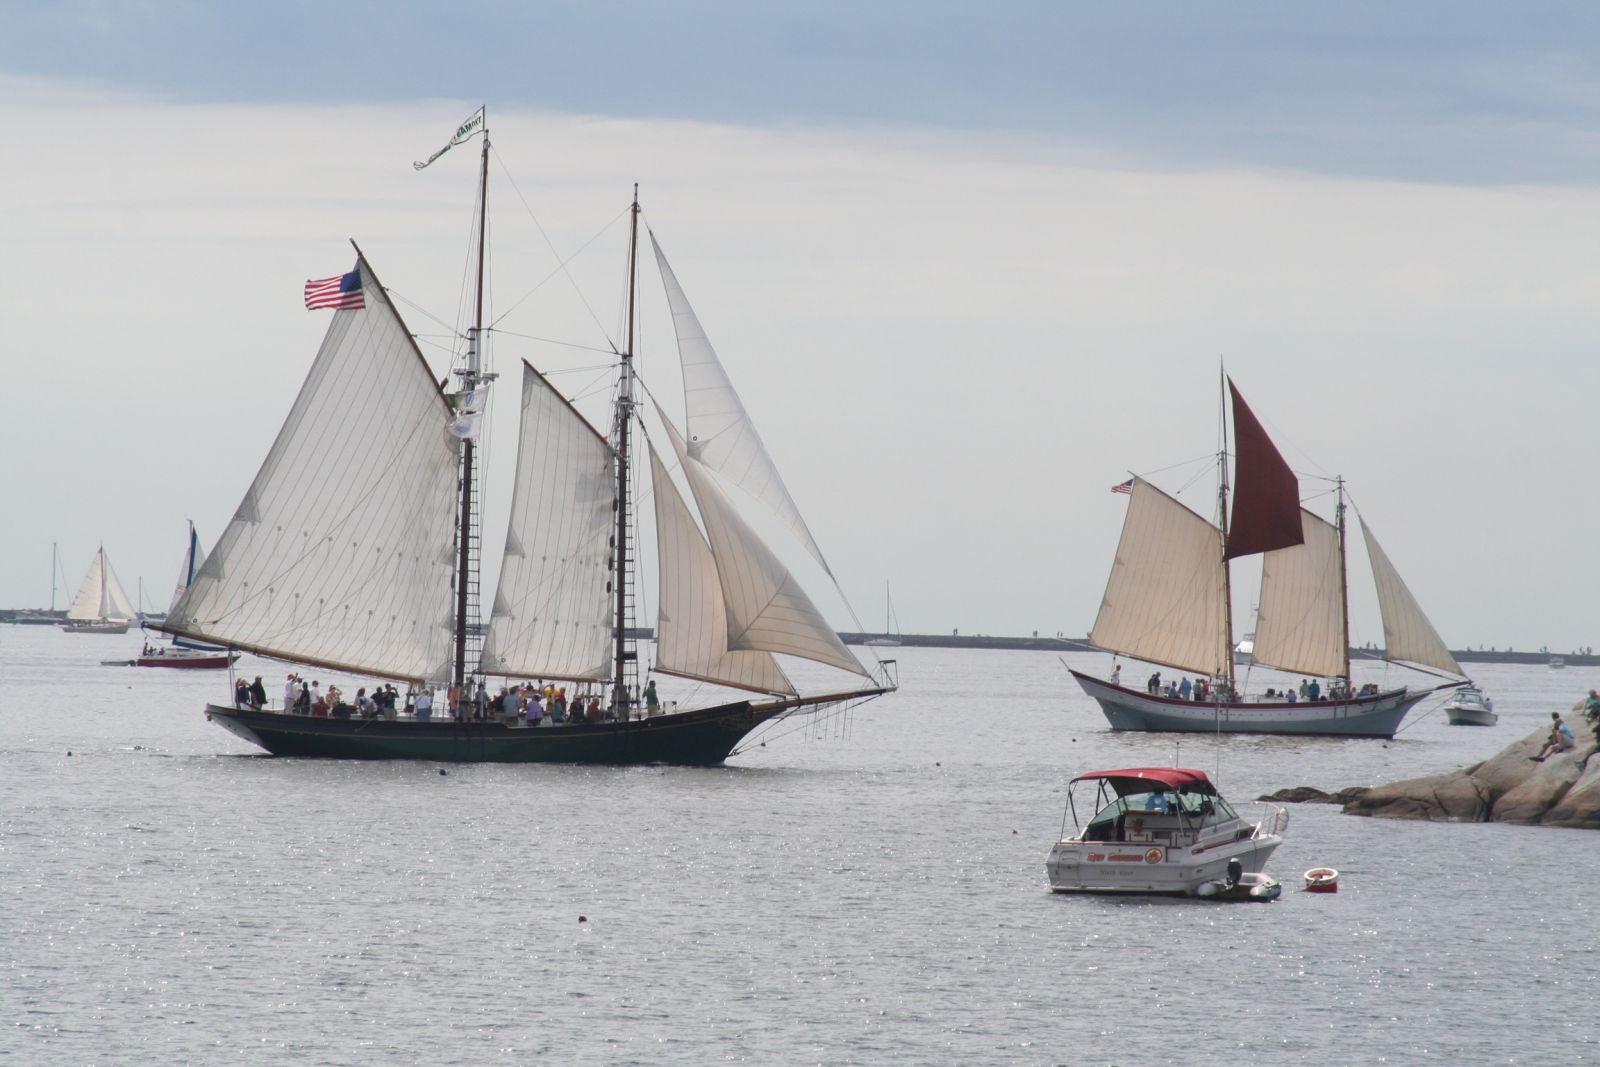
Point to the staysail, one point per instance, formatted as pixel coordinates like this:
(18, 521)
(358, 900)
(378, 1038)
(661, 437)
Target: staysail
(692, 621)
(1266, 493)
(767, 610)
(1164, 600)
(720, 435)
(1408, 636)
(100, 596)
(550, 617)
(339, 554)
(1300, 624)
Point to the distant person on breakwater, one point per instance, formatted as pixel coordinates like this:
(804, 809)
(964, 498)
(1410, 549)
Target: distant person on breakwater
(1561, 739)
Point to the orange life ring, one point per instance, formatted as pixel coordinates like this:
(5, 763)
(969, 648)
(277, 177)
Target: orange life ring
(1153, 855)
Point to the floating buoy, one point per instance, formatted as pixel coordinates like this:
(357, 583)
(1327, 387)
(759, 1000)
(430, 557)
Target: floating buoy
(1322, 880)
(443, 772)
(583, 918)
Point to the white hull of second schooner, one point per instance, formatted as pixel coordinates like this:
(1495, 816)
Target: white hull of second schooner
(1371, 716)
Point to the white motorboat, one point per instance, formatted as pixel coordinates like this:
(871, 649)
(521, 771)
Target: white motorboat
(1471, 707)
(1161, 830)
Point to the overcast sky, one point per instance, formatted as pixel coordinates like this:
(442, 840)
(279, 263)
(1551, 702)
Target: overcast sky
(969, 265)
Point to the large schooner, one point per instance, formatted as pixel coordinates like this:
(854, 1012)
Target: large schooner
(1169, 602)
(356, 549)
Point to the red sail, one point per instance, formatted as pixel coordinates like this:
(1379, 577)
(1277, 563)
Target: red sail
(1266, 494)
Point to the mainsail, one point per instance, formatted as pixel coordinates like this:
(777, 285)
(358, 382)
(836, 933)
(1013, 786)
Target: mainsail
(550, 617)
(1266, 493)
(692, 620)
(339, 554)
(1408, 636)
(1164, 600)
(100, 596)
(720, 435)
(1300, 624)
(193, 557)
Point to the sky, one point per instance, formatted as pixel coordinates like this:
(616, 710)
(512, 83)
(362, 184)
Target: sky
(968, 265)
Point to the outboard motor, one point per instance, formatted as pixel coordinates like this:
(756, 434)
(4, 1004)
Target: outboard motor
(1235, 872)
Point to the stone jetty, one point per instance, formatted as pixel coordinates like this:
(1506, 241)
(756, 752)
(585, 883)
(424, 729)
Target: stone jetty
(1563, 790)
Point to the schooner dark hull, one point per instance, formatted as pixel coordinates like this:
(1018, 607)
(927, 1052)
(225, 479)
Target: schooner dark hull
(700, 738)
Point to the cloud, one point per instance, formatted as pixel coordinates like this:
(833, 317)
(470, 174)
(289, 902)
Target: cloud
(952, 345)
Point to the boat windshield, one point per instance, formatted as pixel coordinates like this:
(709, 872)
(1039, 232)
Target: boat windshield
(1198, 810)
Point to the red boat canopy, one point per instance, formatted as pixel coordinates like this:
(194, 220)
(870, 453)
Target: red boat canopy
(1150, 779)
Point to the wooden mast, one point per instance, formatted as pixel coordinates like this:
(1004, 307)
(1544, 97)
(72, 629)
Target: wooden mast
(1344, 585)
(1222, 524)
(619, 690)
(470, 379)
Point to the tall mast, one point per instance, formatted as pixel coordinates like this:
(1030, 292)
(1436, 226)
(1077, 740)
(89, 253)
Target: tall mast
(470, 379)
(53, 567)
(1222, 524)
(619, 690)
(1344, 582)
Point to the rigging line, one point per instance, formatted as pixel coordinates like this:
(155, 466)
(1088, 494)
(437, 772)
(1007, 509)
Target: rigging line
(561, 263)
(551, 341)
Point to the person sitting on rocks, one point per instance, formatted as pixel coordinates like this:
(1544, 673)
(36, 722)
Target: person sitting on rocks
(1591, 706)
(1561, 739)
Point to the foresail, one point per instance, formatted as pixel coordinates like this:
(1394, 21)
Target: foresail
(766, 608)
(1163, 601)
(551, 615)
(1266, 493)
(721, 436)
(692, 626)
(1300, 622)
(114, 602)
(339, 554)
(1408, 636)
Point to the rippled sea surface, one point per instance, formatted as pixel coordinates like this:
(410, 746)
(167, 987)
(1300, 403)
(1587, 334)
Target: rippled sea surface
(866, 889)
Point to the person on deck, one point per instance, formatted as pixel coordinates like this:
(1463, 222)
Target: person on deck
(652, 703)
(1184, 689)
(258, 694)
(241, 694)
(1116, 674)
(425, 705)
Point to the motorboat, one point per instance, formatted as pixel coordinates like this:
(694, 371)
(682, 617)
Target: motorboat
(1159, 830)
(1470, 707)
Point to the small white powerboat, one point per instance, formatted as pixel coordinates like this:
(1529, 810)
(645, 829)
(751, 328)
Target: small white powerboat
(1160, 830)
(1470, 707)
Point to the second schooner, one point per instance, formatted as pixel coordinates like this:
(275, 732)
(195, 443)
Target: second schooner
(355, 549)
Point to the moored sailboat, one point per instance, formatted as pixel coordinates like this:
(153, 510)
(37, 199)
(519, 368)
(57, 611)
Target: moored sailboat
(1168, 602)
(101, 606)
(181, 652)
(356, 548)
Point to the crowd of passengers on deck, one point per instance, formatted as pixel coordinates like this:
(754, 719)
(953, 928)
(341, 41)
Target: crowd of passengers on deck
(528, 704)
(1203, 690)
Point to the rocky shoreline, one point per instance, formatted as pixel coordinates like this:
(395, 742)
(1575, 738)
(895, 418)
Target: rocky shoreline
(1509, 787)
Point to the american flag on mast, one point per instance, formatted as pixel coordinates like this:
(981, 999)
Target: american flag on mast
(341, 291)
(1123, 487)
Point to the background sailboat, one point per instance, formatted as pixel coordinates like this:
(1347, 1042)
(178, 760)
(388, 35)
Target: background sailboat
(356, 549)
(890, 638)
(1168, 603)
(101, 606)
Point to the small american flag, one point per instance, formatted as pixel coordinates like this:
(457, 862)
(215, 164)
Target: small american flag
(343, 291)
(1123, 487)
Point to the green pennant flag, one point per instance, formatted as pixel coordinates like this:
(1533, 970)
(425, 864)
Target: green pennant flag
(463, 134)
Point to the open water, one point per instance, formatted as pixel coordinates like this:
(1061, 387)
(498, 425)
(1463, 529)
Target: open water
(866, 890)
